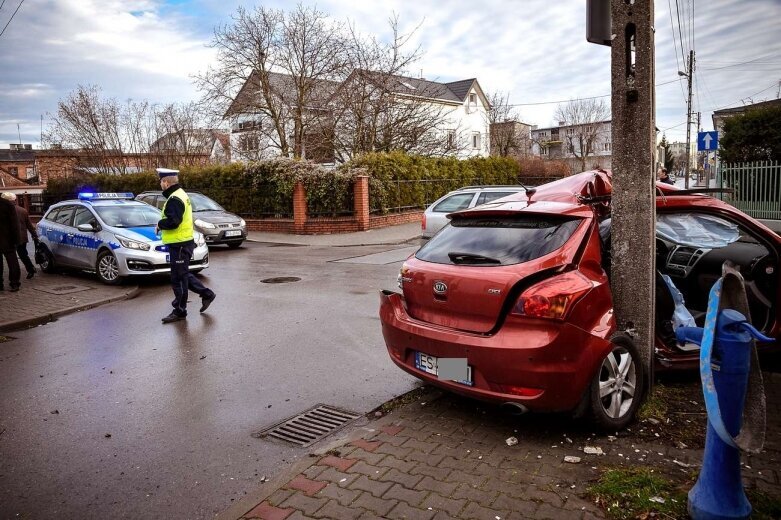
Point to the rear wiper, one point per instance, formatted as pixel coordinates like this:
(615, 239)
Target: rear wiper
(470, 258)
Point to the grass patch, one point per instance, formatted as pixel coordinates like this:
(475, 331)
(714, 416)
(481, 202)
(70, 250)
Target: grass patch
(658, 403)
(397, 402)
(627, 492)
(764, 507)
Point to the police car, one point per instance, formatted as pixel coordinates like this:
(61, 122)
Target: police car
(110, 234)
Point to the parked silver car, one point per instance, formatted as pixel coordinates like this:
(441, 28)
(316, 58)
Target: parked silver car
(435, 216)
(217, 225)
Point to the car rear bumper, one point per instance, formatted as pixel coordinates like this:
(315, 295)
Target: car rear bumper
(544, 365)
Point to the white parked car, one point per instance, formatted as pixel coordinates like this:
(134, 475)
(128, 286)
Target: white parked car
(435, 216)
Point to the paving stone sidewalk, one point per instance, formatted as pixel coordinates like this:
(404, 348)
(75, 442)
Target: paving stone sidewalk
(449, 459)
(48, 296)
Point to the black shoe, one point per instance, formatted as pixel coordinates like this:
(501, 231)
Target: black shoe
(30, 274)
(14, 289)
(206, 301)
(173, 317)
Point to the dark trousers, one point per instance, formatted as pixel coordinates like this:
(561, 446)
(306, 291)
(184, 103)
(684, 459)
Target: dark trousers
(182, 279)
(24, 256)
(14, 273)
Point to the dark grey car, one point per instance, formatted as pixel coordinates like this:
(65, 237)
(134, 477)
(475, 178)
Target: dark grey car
(217, 225)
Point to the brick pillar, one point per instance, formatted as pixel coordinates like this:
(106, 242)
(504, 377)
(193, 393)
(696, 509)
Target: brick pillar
(299, 208)
(361, 188)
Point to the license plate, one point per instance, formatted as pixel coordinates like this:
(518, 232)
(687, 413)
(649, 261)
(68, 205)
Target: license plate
(429, 364)
(167, 259)
(233, 233)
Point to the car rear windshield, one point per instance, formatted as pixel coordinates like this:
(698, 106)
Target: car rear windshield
(488, 241)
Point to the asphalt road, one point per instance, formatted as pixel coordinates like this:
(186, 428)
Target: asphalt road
(109, 414)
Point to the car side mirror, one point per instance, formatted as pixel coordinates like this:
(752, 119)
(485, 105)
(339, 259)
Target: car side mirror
(87, 228)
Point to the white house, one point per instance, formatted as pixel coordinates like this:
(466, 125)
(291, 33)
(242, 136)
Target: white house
(441, 118)
(568, 142)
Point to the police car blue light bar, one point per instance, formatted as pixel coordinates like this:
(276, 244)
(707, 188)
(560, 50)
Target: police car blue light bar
(97, 196)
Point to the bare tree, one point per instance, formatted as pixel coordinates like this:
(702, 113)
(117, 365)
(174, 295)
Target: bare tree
(380, 107)
(582, 122)
(509, 136)
(116, 137)
(280, 66)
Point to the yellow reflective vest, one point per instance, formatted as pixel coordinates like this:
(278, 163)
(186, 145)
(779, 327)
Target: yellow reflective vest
(184, 232)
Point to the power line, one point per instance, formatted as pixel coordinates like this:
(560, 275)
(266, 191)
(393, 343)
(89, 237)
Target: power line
(12, 17)
(579, 99)
(747, 97)
(675, 47)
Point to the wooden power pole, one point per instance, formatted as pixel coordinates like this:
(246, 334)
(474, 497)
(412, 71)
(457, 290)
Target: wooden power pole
(634, 142)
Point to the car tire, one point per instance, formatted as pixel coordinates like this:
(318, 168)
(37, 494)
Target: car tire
(618, 386)
(48, 265)
(107, 268)
(235, 245)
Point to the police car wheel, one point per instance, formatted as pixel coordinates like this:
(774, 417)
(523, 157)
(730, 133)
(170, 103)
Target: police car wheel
(107, 268)
(618, 386)
(47, 266)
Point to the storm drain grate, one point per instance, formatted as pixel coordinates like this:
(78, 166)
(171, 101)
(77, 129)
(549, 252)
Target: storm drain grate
(309, 427)
(281, 279)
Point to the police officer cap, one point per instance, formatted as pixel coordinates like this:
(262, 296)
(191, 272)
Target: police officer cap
(165, 172)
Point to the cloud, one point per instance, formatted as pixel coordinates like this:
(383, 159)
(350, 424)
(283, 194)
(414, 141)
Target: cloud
(535, 49)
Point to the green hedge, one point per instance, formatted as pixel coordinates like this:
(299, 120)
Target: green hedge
(399, 181)
(261, 189)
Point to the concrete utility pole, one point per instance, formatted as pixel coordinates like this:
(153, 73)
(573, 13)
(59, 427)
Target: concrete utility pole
(689, 74)
(634, 202)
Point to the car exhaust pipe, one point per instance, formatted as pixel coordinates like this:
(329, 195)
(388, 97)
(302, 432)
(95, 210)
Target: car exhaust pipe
(514, 408)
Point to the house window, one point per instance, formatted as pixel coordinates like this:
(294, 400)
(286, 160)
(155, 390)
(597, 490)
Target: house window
(570, 131)
(249, 143)
(544, 150)
(607, 147)
(451, 138)
(476, 140)
(472, 98)
(14, 171)
(30, 172)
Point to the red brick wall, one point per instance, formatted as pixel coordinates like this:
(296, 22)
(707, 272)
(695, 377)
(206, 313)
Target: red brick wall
(302, 225)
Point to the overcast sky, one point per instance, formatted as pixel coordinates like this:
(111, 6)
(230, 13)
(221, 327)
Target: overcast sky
(533, 49)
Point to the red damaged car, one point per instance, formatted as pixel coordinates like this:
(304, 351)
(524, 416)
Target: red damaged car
(511, 302)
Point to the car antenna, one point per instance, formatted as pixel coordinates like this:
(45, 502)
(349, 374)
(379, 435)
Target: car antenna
(529, 190)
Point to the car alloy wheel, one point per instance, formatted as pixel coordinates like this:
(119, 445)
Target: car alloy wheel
(618, 385)
(108, 268)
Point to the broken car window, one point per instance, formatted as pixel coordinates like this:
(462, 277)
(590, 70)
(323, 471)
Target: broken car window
(696, 230)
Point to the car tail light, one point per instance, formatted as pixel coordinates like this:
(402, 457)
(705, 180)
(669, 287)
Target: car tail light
(423, 223)
(553, 297)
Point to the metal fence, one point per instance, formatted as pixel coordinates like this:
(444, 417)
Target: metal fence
(756, 188)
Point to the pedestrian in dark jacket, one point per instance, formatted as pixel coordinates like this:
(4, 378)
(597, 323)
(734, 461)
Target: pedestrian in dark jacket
(25, 225)
(663, 177)
(9, 239)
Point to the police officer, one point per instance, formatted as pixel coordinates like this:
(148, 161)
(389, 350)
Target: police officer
(176, 227)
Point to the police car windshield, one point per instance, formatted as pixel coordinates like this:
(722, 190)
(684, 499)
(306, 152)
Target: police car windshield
(129, 215)
(203, 203)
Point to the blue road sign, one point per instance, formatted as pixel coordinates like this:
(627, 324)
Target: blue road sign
(707, 141)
